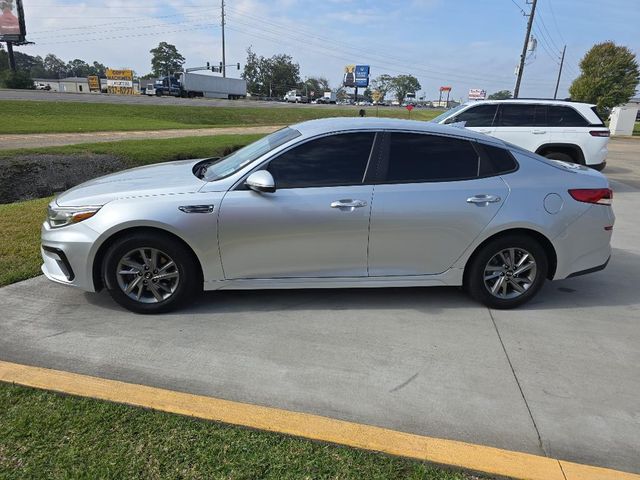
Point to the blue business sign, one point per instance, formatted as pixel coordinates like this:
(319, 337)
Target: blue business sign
(362, 76)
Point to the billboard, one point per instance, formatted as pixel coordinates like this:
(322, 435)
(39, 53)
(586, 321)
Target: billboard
(119, 82)
(362, 76)
(477, 94)
(349, 79)
(94, 83)
(445, 89)
(12, 27)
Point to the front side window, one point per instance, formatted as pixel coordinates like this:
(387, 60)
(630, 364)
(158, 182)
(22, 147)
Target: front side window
(522, 115)
(328, 161)
(417, 157)
(478, 116)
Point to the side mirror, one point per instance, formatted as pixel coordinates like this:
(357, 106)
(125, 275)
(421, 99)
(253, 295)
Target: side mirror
(261, 182)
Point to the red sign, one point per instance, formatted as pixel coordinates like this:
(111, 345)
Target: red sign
(409, 107)
(445, 89)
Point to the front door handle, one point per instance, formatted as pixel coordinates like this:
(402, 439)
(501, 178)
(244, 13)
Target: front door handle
(539, 132)
(348, 204)
(484, 130)
(483, 200)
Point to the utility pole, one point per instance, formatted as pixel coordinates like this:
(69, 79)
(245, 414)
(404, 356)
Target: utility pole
(523, 56)
(555, 94)
(224, 60)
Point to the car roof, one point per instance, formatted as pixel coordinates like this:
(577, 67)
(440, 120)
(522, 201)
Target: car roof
(343, 124)
(544, 101)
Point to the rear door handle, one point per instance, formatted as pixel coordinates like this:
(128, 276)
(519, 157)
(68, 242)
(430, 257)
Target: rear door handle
(539, 132)
(348, 204)
(483, 200)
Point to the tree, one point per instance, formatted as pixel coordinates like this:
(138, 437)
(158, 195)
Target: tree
(382, 84)
(403, 84)
(500, 95)
(54, 67)
(609, 76)
(18, 79)
(270, 77)
(316, 85)
(368, 95)
(78, 68)
(166, 59)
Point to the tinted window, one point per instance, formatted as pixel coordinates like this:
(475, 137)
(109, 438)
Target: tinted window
(478, 116)
(522, 115)
(565, 117)
(333, 160)
(496, 161)
(429, 158)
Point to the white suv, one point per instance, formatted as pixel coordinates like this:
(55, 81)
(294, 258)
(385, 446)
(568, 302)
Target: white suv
(561, 130)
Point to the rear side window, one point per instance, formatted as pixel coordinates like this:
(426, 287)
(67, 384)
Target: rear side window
(565, 117)
(595, 112)
(522, 115)
(496, 161)
(429, 158)
(478, 116)
(333, 160)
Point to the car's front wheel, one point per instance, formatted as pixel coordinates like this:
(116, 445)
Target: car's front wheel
(150, 273)
(507, 272)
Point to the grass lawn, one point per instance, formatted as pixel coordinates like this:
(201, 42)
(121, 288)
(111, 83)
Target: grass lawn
(85, 438)
(20, 241)
(636, 128)
(143, 152)
(49, 117)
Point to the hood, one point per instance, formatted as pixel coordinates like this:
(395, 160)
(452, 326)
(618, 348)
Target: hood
(159, 179)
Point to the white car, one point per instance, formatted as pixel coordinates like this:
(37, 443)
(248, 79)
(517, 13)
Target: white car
(557, 129)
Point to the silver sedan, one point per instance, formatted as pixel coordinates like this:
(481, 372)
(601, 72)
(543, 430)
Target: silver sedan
(334, 203)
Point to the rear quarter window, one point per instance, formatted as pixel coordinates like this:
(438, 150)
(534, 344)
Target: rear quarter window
(496, 161)
(559, 116)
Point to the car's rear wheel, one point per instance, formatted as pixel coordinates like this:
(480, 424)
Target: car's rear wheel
(150, 273)
(507, 271)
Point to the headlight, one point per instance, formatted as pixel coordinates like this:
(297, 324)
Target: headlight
(60, 217)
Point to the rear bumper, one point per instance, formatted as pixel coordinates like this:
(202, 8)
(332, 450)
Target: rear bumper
(590, 270)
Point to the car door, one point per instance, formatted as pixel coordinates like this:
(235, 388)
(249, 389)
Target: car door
(430, 204)
(523, 124)
(479, 118)
(315, 224)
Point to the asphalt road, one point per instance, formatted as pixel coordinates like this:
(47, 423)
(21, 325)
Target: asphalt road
(41, 95)
(557, 377)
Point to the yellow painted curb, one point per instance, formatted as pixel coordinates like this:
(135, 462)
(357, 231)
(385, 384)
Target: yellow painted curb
(479, 458)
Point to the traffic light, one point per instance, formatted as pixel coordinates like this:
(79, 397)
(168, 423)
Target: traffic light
(208, 66)
(238, 65)
(220, 66)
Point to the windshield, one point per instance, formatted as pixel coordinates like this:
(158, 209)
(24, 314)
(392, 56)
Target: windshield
(232, 163)
(448, 113)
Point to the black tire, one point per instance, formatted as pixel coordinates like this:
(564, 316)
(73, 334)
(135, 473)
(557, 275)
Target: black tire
(560, 156)
(475, 283)
(188, 283)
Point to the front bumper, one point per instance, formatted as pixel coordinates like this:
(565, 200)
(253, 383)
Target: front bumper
(68, 254)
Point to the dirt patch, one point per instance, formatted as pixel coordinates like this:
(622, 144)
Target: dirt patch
(25, 177)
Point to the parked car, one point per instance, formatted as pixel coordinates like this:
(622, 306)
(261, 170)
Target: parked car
(42, 86)
(298, 209)
(557, 129)
(295, 96)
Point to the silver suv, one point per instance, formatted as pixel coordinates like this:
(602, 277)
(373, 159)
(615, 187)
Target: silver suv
(568, 131)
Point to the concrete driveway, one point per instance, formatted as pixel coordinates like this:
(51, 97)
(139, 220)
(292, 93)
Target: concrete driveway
(560, 376)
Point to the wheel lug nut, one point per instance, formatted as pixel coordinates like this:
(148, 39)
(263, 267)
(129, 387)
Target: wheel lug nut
(155, 271)
(144, 282)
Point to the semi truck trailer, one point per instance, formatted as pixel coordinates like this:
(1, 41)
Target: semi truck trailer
(195, 85)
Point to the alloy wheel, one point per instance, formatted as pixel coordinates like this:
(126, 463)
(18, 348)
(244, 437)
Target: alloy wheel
(147, 275)
(510, 273)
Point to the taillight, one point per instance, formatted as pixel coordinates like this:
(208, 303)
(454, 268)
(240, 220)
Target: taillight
(599, 133)
(601, 196)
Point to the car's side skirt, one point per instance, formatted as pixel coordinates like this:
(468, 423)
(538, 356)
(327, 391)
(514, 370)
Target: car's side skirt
(452, 277)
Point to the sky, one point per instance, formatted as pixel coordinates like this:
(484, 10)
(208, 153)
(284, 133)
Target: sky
(459, 43)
